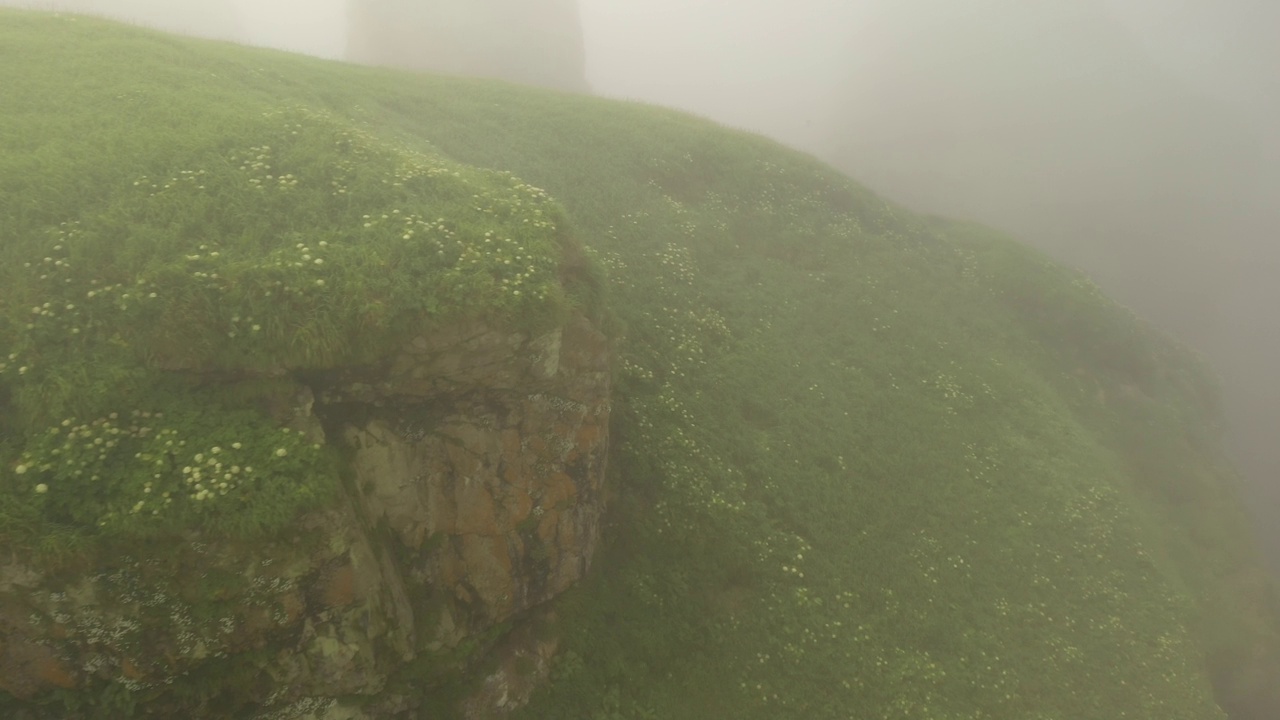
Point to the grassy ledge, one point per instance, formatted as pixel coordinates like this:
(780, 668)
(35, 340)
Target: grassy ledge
(206, 232)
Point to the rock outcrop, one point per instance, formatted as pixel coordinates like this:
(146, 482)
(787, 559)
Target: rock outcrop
(533, 42)
(481, 453)
(474, 461)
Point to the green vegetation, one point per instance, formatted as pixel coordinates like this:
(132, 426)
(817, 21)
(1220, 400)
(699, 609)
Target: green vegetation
(139, 477)
(866, 464)
(147, 232)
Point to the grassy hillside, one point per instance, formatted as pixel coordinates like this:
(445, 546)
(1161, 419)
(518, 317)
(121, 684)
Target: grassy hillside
(866, 464)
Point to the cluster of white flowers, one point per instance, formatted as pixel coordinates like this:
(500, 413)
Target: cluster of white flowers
(190, 179)
(257, 164)
(208, 477)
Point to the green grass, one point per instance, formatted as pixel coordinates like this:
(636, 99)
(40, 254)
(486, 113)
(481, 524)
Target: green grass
(219, 232)
(866, 464)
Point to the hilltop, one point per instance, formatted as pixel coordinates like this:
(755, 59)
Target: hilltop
(860, 462)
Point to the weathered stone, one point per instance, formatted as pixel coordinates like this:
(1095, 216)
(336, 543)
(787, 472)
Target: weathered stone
(477, 458)
(519, 432)
(27, 668)
(523, 662)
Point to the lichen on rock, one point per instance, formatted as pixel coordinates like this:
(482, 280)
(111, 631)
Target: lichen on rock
(476, 459)
(487, 475)
(282, 457)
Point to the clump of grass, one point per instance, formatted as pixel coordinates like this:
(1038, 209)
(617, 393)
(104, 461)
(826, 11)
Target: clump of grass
(322, 247)
(148, 474)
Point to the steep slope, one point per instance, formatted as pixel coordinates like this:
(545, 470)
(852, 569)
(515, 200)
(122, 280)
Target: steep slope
(863, 462)
(1057, 122)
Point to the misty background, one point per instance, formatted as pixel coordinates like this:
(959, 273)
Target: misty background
(1136, 139)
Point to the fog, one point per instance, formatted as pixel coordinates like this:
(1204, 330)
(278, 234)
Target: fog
(214, 19)
(1137, 139)
(314, 27)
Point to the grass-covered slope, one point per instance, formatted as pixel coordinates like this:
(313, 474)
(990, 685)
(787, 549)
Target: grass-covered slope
(159, 218)
(866, 464)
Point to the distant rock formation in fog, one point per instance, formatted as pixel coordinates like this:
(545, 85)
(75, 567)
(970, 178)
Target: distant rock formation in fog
(533, 42)
(216, 19)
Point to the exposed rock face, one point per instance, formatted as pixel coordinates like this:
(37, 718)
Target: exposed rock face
(534, 42)
(522, 663)
(476, 458)
(484, 464)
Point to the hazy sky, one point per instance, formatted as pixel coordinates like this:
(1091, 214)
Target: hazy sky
(762, 65)
(214, 18)
(314, 27)
(769, 65)
(748, 63)
(766, 65)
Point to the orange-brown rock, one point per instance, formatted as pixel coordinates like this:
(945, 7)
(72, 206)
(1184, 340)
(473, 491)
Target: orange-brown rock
(130, 670)
(476, 459)
(494, 442)
(522, 663)
(28, 668)
(340, 587)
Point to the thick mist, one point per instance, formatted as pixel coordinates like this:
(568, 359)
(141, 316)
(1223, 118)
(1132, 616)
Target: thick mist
(532, 42)
(218, 19)
(313, 27)
(1136, 139)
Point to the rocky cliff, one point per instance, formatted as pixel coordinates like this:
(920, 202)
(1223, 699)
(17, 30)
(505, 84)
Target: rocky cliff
(474, 458)
(534, 43)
